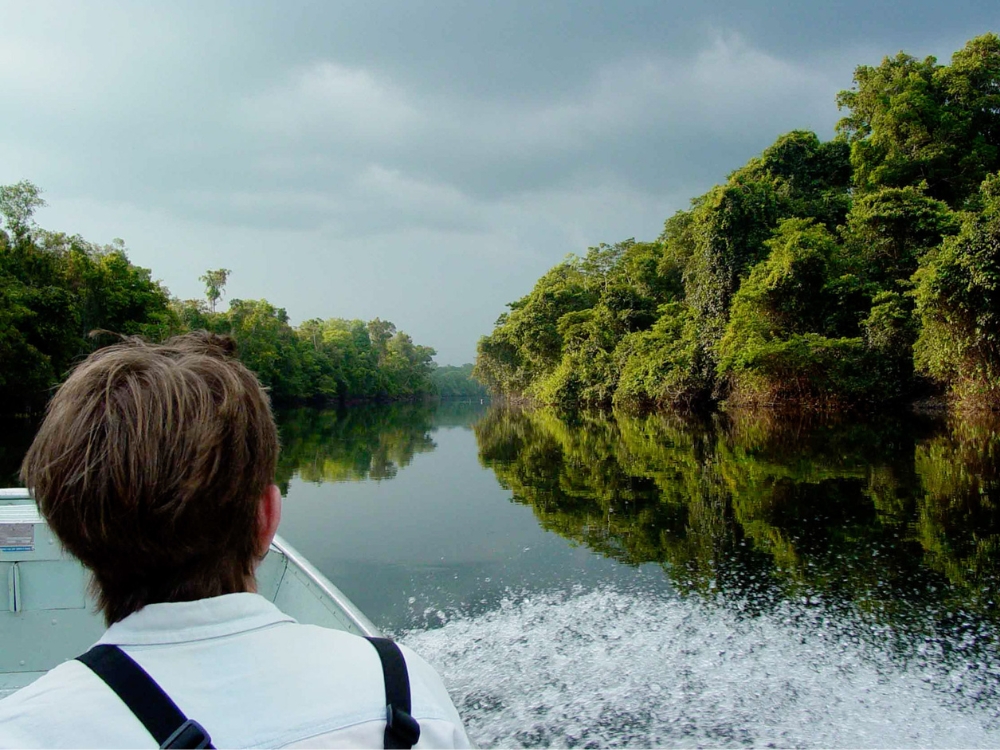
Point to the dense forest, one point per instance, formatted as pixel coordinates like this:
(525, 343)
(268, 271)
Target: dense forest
(457, 382)
(857, 271)
(57, 290)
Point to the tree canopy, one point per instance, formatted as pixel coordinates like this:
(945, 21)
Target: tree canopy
(61, 297)
(857, 271)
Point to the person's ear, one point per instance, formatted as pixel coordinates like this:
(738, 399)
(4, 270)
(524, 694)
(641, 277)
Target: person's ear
(268, 517)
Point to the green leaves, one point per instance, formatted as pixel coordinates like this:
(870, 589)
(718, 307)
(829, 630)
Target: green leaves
(54, 290)
(913, 122)
(958, 301)
(889, 230)
(215, 284)
(794, 282)
(18, 204)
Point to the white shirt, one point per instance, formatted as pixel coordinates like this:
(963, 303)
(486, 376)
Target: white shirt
(249, 674)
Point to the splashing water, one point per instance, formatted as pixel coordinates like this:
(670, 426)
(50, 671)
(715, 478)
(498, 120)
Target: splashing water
(606, 668)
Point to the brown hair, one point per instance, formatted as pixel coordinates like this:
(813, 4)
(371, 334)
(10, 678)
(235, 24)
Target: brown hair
(150, 466)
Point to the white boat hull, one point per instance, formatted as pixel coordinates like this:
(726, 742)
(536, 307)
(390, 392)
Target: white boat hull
(47, 616)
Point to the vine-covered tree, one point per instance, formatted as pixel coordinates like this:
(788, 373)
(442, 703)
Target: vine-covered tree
(958, 300)
(805, 278)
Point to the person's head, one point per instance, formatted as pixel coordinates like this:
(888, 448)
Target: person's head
(154, 466)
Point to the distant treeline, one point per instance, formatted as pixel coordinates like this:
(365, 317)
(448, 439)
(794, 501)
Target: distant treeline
(861, 270)
(457, 382)
(56, 289)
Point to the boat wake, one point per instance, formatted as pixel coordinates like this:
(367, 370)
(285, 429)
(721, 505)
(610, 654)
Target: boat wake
(607, 668)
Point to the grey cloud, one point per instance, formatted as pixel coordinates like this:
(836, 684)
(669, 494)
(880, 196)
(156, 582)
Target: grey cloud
(423, 161)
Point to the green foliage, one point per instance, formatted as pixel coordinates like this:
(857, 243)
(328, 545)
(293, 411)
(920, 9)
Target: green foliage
(794, 282)
(18, 204)
(913, 122)
(450, 381)
(215, 285)
(558, 344)
(660, 367)
(890, 330)
(56, 289)
(958, 301)
(890, 229)
(783, 341)
(732, 225)
(810, 178)
(888, 516)
(267, 344)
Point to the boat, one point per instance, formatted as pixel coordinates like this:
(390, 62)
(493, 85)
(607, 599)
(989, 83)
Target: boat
(47, 616)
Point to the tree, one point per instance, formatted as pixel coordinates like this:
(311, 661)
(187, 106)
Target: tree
(783, 341)
(889, 230)
(54, 290)
(379, 334)
(660, 367)
(215, 285)
(913, 122)
(267, 345)
(18, 204)
(457, 382)
(958, 301)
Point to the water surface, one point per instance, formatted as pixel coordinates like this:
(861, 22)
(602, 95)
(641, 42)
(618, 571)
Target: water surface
(614, 580)
(622, 581)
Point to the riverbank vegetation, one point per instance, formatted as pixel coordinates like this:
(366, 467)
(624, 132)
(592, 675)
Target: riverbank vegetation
(859, 271)
(57, 289)
(457, 382)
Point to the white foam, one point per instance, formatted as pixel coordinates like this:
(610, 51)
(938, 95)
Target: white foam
(611, 669)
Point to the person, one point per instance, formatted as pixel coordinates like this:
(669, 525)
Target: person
(154, 466)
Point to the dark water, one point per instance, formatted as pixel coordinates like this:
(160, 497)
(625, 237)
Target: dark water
(637, 581)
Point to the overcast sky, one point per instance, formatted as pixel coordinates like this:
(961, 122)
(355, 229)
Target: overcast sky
(422, 162)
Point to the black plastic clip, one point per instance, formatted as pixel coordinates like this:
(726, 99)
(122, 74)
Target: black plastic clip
(190, 734)
(401, 726)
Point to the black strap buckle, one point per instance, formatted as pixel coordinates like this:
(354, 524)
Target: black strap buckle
(190, 734)
(403, 727)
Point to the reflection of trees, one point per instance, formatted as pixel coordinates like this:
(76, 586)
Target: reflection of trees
(636, 489)
(361, 442)
(886, 515)
(960, 473)
(458, 412)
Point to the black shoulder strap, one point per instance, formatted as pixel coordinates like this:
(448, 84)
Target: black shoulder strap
(401, 729)
(160, 715)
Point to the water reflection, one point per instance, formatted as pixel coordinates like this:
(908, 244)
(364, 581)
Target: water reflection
(837, 579)
(892, 517)
(354, 444)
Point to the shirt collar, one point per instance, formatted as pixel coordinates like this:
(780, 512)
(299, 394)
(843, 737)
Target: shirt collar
(179, 622)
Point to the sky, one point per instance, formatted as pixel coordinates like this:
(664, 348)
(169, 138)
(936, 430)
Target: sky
(421, 162)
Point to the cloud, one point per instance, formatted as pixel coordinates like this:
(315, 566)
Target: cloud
(344, 159)
(651, 122)
(329, 99)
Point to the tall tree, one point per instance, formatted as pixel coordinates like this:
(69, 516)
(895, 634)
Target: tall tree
(215, 285)
(18, 204)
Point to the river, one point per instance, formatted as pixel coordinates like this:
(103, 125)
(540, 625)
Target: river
(614, 580)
